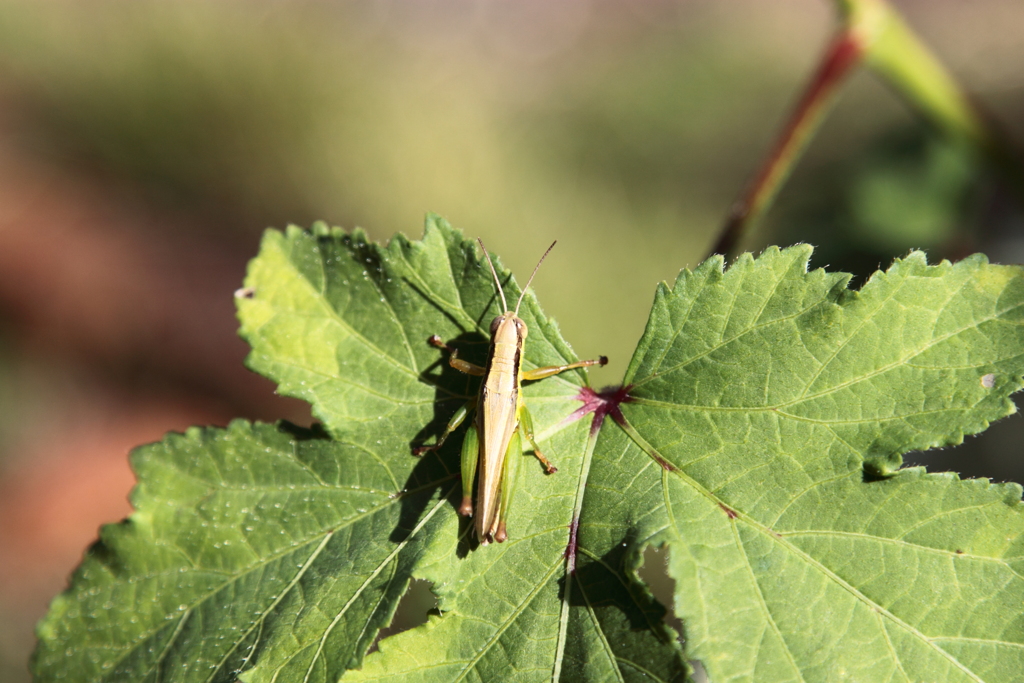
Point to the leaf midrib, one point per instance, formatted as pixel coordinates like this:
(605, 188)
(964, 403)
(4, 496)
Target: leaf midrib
(306, 564)
(504, 626)
(394, 553)
(886, 540)
(230, 578)
(788, 546)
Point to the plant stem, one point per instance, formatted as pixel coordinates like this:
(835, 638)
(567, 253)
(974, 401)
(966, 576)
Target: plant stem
(842, 54)
(896, 53)
(874, 33)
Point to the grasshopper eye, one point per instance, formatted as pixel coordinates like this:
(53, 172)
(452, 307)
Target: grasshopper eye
(523, 330)
(495, 323)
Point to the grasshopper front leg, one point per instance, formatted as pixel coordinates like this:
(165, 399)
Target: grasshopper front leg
(455, 361)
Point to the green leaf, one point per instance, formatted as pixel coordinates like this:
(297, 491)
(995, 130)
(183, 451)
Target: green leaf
(323, 534)
(373, 379)
(240, 550)
(759, 439)
(776, 398)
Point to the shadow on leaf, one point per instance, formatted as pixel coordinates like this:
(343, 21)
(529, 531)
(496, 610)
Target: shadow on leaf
(607, 592)
(452, 390)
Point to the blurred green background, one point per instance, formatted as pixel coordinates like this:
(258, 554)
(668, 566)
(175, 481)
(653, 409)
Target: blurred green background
(144, 147)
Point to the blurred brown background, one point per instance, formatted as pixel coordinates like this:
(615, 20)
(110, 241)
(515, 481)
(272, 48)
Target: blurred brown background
(144, 147)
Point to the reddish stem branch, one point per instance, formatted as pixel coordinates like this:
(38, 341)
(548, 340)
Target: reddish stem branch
(845, 51)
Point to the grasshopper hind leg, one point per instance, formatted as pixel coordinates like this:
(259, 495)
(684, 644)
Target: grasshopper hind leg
(470, 457)
(526, 427)
(508, 485)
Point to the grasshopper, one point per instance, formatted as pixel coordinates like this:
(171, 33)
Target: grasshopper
(502, 419)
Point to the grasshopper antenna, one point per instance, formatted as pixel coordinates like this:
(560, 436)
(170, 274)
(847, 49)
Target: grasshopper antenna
(535, 269)
(495, 274)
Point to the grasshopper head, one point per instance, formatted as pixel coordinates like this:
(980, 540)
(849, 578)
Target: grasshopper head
(508, 328)
(508, 315)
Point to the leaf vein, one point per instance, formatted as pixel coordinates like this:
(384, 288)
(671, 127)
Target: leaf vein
(277, 601)
(332, 314)
(811, 561)
(486, 646)
(762, 603)
(721, 344)
(606, 647)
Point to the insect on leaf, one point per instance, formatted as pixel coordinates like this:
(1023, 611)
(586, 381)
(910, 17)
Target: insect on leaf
(757, 436)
